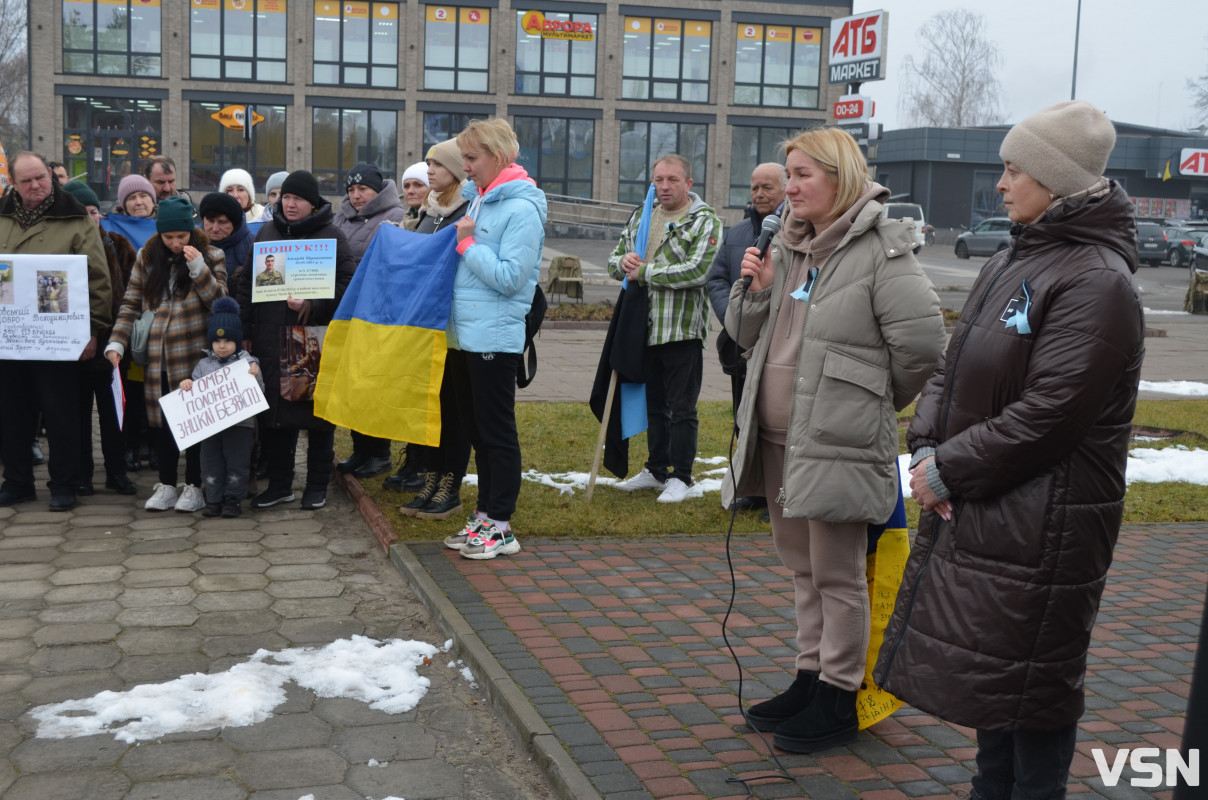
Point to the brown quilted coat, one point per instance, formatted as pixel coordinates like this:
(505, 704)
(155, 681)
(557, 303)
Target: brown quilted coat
(1031, 430)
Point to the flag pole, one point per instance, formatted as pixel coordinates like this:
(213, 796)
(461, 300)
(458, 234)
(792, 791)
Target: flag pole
(595, 464)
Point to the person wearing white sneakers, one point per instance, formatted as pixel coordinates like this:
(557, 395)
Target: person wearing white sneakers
(176, 277)
(672, 264)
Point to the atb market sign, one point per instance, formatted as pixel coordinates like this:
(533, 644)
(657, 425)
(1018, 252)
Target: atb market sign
(535, 23)
(858, 47)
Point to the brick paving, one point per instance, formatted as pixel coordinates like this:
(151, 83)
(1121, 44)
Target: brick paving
(619, 648)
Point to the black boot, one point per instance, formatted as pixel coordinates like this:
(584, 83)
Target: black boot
(431, 482)
(829, 721)
(352, 463)
(446, 501)
(768, 715)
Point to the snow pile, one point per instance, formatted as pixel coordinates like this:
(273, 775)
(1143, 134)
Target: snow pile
(382, 674)
(1185, 388)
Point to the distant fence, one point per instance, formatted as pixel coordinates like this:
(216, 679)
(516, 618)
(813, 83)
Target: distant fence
(580, 217)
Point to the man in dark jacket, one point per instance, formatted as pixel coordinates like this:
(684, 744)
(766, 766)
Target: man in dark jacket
(301, 213)
(38, 217)
(767, 194)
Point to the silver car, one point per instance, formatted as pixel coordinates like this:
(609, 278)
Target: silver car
(986, 239)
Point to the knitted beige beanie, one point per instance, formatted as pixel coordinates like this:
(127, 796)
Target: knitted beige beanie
(1064, 147)
(448, 155)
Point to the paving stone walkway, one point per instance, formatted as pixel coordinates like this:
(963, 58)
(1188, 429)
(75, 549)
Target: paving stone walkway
(618, 648)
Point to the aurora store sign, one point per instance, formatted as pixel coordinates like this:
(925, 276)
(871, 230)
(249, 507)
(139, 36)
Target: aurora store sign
(536, 24)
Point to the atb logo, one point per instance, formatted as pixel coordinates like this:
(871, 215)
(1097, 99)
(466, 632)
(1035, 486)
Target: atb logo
(1148, 761)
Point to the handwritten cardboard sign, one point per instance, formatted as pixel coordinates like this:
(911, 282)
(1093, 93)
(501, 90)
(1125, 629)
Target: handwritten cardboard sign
(304, 269)
(44, 312)
(216, 402)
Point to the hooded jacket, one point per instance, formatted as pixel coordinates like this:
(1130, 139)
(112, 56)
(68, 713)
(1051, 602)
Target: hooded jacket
(65, 229)
(360, 226)
(871, 335)
(264, 323)
(500, 264)
(1030, 416)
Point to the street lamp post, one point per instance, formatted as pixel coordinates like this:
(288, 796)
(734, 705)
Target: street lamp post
(1077, 28)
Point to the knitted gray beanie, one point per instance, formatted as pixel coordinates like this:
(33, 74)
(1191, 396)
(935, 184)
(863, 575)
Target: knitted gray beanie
(1064, 147)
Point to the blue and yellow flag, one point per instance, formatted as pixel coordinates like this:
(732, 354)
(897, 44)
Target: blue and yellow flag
(138, 230)
(888, 547)
(384, 354)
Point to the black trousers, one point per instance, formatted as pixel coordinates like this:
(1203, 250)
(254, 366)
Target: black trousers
(226, 464)
(169, 455)
(485, 387)
(135, 429)
(1023, 765)
(52, 387)
(280, 445)
(370, 446)
(97, 383)
(675, 371)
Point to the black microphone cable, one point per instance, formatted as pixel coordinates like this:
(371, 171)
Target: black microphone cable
(784, 774)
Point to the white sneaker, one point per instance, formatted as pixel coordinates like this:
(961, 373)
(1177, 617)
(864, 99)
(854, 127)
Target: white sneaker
(675, 492)
(643, 480)
(191, 499)
(162, 499)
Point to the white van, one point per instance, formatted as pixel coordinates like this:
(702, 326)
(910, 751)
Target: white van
(912, 212)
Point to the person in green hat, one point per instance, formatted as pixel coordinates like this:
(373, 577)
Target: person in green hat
(177, 276)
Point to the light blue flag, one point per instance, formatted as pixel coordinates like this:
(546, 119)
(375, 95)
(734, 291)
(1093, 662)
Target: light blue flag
(633, 395)
(139, 229)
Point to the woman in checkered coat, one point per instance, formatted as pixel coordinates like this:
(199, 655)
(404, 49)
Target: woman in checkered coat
(177, 275)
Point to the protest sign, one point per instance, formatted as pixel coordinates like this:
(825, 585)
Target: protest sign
(44, 313)
(216, 402)
(304, 269)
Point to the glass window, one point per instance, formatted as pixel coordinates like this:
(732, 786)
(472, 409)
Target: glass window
(356, 43)
(642, 143)
(106, 139)
(557, 153)
(556, 53)
(237, 39)
(214, 148)
(441, 126)
(457, 48)
(344, 137)
(666, 59)
(987, 202)
(750, 147)
(777, 65)
(112, 37)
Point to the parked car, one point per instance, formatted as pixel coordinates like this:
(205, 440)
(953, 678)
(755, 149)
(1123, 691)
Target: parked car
(1199, 255)
(908, 211)
(986, 239)
(1179, 244)
(1151, 243)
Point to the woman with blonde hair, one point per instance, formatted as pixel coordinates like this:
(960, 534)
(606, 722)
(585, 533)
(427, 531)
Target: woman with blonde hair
(841, 329)
(499, 241)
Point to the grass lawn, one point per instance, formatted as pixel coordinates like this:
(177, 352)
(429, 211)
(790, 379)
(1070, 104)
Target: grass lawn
(561, 437)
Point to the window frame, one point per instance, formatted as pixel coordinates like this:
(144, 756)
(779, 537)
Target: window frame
(778, 132)
(679, 81)
(569, 75)
(457, 70)
(536, 171)
(458, 120)
(793, 83)
(385, 158)
(699, 171)
(95, 53)
(342, 66)
(230, 140)
(226, 62)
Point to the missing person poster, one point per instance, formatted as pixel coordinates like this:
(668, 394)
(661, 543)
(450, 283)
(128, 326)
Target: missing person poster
(44, 313)
(304, 269)
(216, 402)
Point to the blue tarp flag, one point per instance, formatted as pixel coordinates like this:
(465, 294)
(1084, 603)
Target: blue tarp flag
(139, 229)
(633, 395)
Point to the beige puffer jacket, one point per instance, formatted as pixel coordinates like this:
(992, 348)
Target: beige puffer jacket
(872, 335)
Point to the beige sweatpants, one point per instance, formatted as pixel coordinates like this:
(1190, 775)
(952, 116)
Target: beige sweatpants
(829, 583)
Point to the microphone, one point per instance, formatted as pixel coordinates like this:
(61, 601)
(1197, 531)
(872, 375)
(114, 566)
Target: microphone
(770, 227)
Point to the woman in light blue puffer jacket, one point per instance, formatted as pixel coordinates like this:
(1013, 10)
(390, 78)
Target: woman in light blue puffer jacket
(499, 240)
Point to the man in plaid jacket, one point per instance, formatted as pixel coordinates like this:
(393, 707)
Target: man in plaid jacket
(672, 264)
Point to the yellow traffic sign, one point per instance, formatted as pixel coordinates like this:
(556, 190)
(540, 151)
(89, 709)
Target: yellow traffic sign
(232, 117)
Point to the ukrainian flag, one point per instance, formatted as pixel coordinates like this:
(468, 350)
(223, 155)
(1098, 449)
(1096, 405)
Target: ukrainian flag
(384, 354)
(888, 547)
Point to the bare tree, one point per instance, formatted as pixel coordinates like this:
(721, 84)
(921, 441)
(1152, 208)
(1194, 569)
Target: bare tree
(1199, 96)
(14, 76)
(955, 84)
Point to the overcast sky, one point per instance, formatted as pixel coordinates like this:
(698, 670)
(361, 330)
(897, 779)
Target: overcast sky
(1134, 56)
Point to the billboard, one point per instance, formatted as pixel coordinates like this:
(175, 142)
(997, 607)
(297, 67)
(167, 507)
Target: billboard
(857, 51)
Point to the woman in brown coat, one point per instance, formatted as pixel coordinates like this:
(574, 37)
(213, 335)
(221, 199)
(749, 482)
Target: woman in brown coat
(1019, 443)
(177, 275)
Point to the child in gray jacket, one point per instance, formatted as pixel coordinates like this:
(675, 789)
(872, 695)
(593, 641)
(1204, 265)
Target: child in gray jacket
(226, 456)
